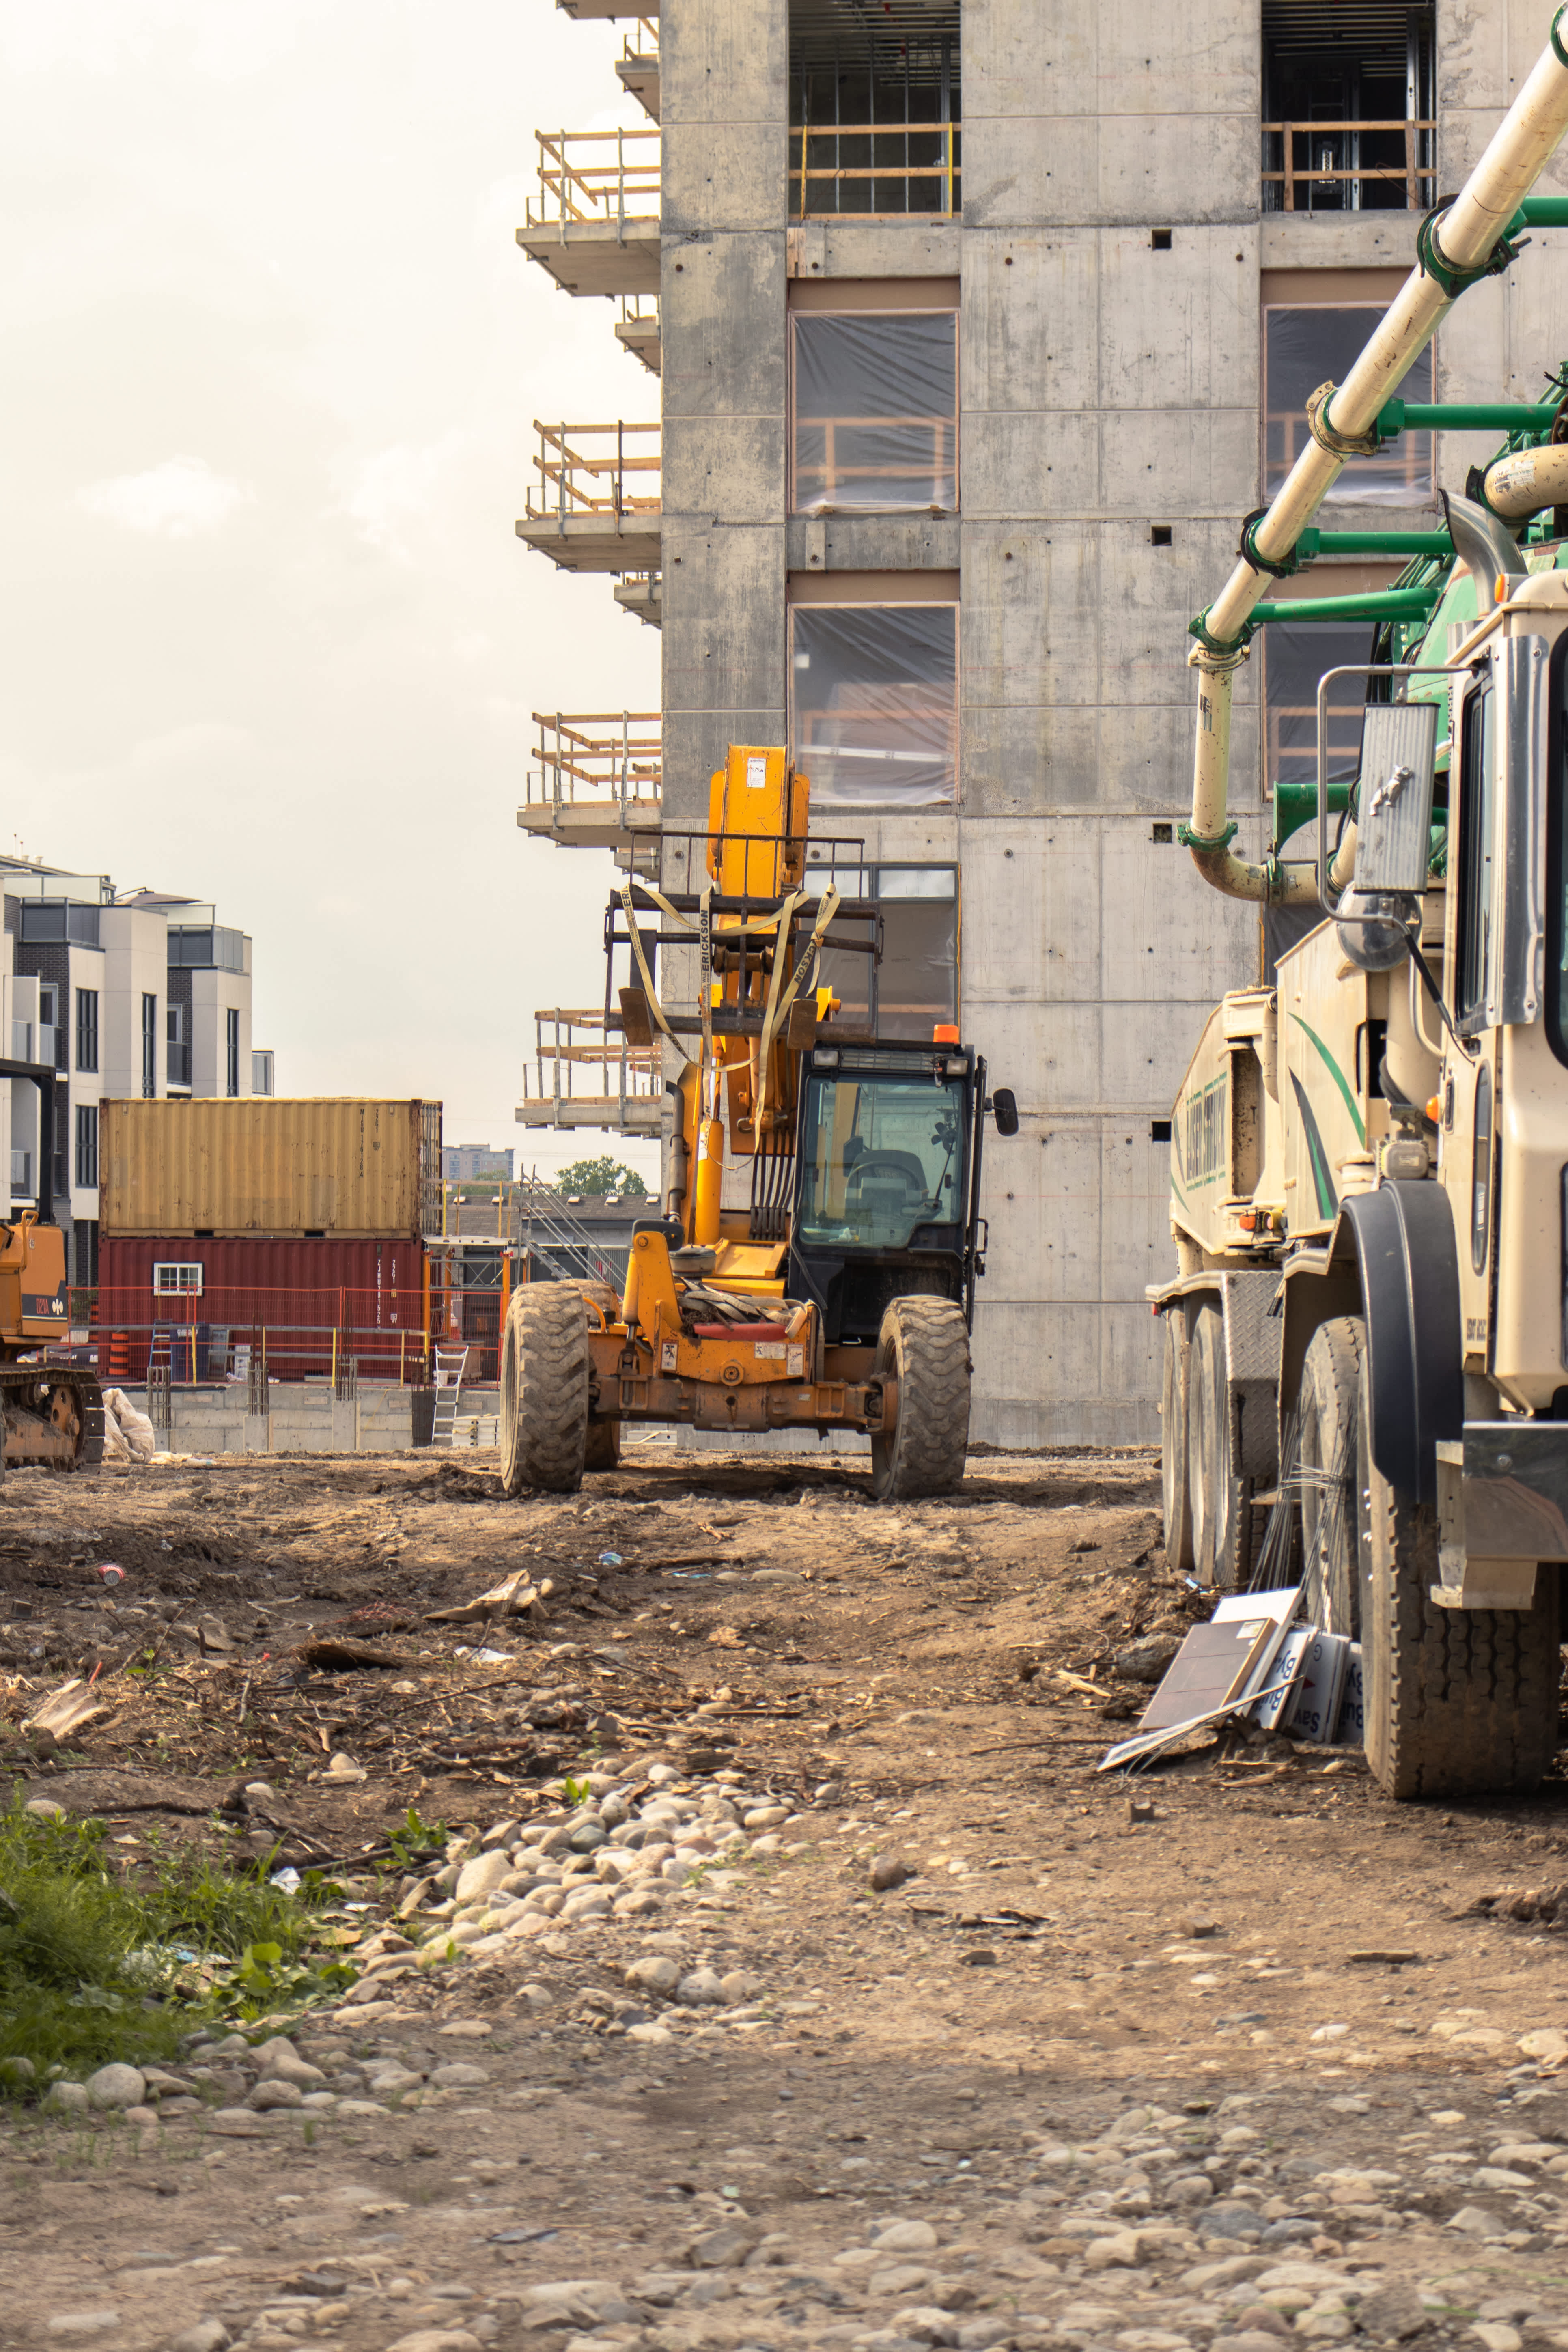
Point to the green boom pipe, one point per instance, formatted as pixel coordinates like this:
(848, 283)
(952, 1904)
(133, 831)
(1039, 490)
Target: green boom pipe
(1378, 604)
(1396, 417)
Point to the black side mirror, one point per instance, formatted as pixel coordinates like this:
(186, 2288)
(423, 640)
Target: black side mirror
(1005, 1105)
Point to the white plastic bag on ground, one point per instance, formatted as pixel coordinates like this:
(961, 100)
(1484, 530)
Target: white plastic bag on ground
(134, 1428)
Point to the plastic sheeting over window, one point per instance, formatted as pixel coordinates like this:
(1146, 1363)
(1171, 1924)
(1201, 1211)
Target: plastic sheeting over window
(1294, 660)
(875, 413)
(874, 703)
(1311, 344)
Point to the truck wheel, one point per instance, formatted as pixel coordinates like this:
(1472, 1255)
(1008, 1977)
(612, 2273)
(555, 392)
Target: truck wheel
(1175, 1498)
(603, 1450)
(924, 1344)
(544, 1388)
(1221, 1502)
(1326, 1474)
(1459, 1702)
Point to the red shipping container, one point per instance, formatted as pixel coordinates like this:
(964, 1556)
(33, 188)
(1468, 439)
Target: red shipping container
(301, 1306)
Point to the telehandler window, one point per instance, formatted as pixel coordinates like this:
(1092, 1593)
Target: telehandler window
(1477, 811)
(881, 1156)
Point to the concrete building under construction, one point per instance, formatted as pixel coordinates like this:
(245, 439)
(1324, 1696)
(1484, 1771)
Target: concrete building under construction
(977, 328)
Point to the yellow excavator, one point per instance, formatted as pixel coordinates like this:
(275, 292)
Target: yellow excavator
(53, 1413)
(833, 1286)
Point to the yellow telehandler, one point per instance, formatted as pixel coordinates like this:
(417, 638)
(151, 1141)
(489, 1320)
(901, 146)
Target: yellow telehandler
(840, 1293)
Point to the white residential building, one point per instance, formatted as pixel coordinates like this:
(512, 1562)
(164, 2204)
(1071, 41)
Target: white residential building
(134, 993)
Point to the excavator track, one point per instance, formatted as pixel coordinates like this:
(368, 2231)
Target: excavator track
(54, 1417)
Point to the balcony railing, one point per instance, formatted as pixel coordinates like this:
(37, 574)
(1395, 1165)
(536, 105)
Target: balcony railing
(596, 178)
(600, 470)
(21, 1174)
(605, 760)
(875, 168)
(1326, 156)
(179, 1074)
(573, 1046)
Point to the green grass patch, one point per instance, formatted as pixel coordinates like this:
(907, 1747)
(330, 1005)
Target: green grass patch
(100, 1962)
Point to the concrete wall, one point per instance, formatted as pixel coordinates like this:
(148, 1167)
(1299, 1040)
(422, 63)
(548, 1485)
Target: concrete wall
(305, 1418)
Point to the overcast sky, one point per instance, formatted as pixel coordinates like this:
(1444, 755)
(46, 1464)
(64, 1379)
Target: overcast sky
(271, 359)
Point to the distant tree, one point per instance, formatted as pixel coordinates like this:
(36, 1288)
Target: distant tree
(600, 1175)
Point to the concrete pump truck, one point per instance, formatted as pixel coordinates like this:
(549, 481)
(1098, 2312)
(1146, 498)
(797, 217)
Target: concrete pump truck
(826, 1282)
(1365, 1343)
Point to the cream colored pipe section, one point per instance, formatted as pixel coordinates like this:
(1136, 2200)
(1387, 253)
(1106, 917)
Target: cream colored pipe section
(1467, 232)
(1522, 484)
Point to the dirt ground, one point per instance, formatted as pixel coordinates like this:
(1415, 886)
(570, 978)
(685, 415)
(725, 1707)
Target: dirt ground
(1246, 1965)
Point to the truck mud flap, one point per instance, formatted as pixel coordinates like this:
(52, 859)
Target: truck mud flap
(1404, 1235)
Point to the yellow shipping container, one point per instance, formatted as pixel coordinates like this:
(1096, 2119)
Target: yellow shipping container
(327, 1165)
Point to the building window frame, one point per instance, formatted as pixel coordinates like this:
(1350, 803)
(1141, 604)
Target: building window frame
(231, 1053)
(149, 1047)
(945, 429)
(86, 1029)
(178, 1278)
(87, 1147)
(804, 612)
(1405, 471)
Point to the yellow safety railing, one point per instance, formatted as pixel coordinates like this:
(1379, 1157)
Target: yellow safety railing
(595, 469)
(569, 1042)
(598, 177)
(1323, 172)
(598, 756)
(820, 177)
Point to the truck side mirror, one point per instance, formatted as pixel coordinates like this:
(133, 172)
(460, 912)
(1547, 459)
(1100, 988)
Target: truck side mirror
(1005, 1105)
(1394, 797)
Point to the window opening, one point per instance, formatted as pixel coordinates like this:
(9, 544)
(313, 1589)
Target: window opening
(1308, 344)
(1294, 660)
(875, 412)
(149, 1047)
(87, 1028)
(873, 700)
(915, 985)
(87, 1147)
(173, 1279)
(231, 1040)
(874, 106)
(1348, 106)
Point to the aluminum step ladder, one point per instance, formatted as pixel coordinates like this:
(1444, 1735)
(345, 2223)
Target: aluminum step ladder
(449, 1364)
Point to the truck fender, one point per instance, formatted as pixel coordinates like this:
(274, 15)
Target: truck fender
(1409, 1263)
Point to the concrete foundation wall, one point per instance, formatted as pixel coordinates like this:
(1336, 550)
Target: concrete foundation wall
(305, 1419)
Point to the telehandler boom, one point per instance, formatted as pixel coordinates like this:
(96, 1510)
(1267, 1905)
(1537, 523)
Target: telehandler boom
(1366, 1363)
(836, 1289)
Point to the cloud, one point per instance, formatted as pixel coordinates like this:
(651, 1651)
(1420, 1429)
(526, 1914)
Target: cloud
(177, 500)
(399, 489)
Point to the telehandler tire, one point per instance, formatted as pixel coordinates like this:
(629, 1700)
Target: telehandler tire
(924, 1344)
(1459, 1702)
(545, 1389)
(1221, 1502)
(603, 1450)
(1175, 1498)
(1326, 1475)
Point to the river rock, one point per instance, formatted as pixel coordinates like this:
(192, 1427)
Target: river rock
(116, 2086)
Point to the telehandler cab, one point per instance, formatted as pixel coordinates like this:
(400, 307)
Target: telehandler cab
(834, 1290)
